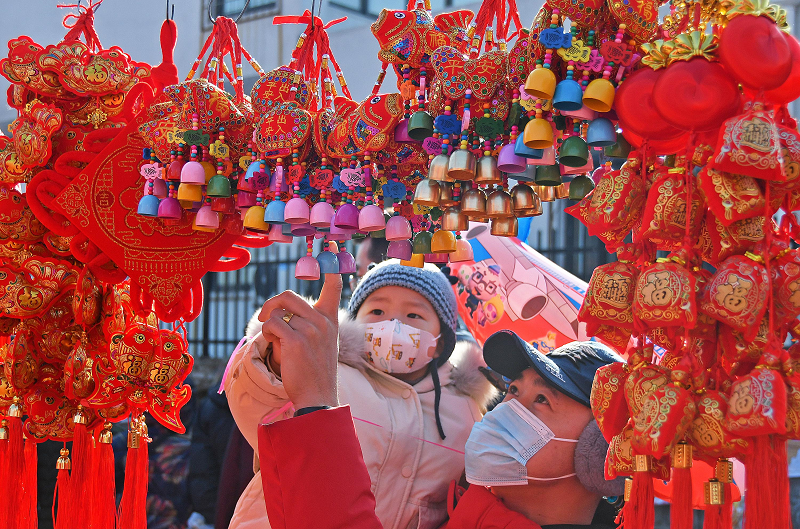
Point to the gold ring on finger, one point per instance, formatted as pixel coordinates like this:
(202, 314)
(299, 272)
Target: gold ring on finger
(288, 316)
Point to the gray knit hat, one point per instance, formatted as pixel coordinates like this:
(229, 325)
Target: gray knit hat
(429, 282)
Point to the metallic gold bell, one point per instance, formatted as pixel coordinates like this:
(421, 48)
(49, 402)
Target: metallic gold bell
(454, 220)
(487, 172)
(504, 227)
(462, 165)
(427, 193)
(546, 193)
(548, 175)
(541, 83)
(561, 191)
(538, 134)
(446, 195)
(499, 204)
(580, 187)
(438, 168)
(473, 203)
(524, 201)
(443, 241)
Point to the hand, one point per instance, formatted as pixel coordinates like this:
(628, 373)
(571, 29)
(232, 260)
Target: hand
(306, 348)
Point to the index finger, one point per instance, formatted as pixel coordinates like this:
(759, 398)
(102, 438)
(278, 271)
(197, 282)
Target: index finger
(329, 297)
(288, 301)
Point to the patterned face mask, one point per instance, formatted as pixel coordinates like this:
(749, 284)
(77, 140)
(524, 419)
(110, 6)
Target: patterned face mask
(394, 347)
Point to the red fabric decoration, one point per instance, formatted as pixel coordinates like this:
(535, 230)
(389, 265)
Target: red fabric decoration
(665, 296)
(790, 89)
(608, 399)
(731, 197)
(635, 106)
(707, 432)
(166, 73)
(754, 51)
(786, 285)
(757, 404)
(718, 242)
(609, 297)
(132, 506)
(749, 144)
(664, 220)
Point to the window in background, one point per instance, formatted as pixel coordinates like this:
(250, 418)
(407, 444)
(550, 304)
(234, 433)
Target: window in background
(373, 7)
(232, 8)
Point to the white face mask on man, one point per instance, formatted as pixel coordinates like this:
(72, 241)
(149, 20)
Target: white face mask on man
(500, 446)
(394, 347)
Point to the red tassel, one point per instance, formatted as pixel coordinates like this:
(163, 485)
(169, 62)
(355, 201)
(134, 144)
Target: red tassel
(758, 497)
(718, 495)
(28, 515)
(780, 469)
(80, 481)
(681, 515)
(12, 466)
(61, 493)
(5, 484)
(639, 510)
(132, 508)
(104, 493)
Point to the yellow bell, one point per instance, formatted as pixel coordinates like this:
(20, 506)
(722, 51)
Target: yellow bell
(427, 193)
(473, 203)
(417, 260)
(195, 227)
(546, 193)
(254, 219)
(487, 172)
(209, 169)
(599, 95)
(499, 204)
(446, 195)
(186, 204)
(438, 168)
(504, 227)
(541, 83)
(538, 134)
(443, 241)
(462, 165)
(190, 192)
(561, 191)
(454, 220)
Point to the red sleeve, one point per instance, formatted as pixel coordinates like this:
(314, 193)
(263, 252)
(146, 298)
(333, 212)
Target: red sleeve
(314, 474)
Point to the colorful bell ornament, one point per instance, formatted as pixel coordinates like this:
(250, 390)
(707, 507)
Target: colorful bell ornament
(443, 241)
(417, 260)
(599, 95)
(148, 206)
(300, 230)
(401, 132)
(546, 193)
(620, 150)
(174, 170)
(347, 263)
(208, 170)
(193, 173)
(454, 220)
(588, 167)
(170, 208)
(274, 212)
(371, 219)
(420, 125)
(197, 227)
(463, 252)
(439, 167)
(427, 193)
(253, 168)
(561, 191)
(504, 227)
(601, 132)
(538, 134)
(296, 211)
(487, 172)
(307, 268)
(276, 234)
(446, 198)
(508, 161)
(462, 165)
(437, 258)
(328, 262)
(473, 203)
(321, 215)
(580, 186)
(399, 250)
(573, 152)
(568, 95)
(254, 220)
(520, 149)
(346, 217)
(225, 205)
(499, 204)
(218, 186)
(548, 157)
(541, 83)
(160, 188)
(337, 233)
(207, 218)
(528, 175)
(422, 242)
(398, 228)
(190, 192)
(548, 175)
(522, 198)
(582, 114)
(245, 199)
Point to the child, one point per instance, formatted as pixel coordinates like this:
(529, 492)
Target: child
(413, 392)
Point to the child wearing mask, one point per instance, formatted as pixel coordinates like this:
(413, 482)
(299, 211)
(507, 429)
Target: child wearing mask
(413, 391)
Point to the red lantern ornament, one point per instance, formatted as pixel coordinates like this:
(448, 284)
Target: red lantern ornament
(790, 89)
(635, 105)
(755, 52)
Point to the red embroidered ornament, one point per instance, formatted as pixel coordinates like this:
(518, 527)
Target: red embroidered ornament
(665, 296)
(749, 144)
(608, 399)
(664, 221)
(731, 197)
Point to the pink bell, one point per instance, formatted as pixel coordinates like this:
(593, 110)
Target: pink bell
(296, 211)
(347, 263)
(371, 218)
(301, 230)
(578, 170)
(398, 228)
(401, 132)
(193, 173)
(226, 205)
(174, 170)
(509, 161)
(337, 233)
(244, 199)
(321, 215)
(307, 268)
(437, 258)
(170, 208)
(207, 218)
(276, 234)
(346, 217)
(584, 113)
(399, 249)
(273, 184)
(463, 252)
(548, 157)
(160, 188)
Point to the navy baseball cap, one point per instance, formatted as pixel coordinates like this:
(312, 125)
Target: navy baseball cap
(570, 368)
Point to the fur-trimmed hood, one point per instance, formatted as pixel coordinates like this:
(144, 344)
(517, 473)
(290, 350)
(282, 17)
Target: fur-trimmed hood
(460, 371)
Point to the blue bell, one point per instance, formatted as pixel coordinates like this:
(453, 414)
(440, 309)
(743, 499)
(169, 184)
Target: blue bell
(328, 262)
(601, 133)
(148, 206)
(252, 168)
(520, 149)
(274, 212)
(568, 96)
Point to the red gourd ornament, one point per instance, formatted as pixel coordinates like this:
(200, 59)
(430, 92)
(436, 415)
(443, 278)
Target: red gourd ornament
(754, 51)
(635, 105)
(790, 89)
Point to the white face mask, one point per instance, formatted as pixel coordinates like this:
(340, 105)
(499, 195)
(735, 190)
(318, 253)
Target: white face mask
(394, 347)
(500, 446)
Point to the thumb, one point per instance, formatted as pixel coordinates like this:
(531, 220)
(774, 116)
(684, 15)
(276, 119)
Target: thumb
(329, 297)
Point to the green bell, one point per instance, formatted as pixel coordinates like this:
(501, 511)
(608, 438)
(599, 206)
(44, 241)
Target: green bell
(420, 125)
(574, 152)
(621, 149)
(422, 242)
(548, 175)
(218, 187)
(580, 187)
(513, 115)
(560, 122)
